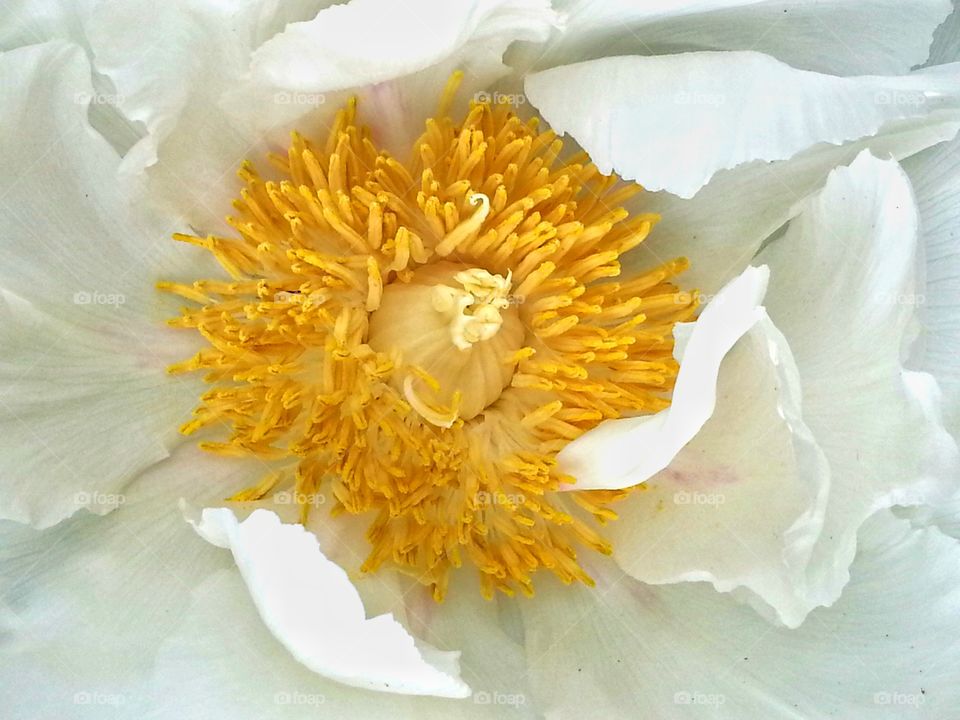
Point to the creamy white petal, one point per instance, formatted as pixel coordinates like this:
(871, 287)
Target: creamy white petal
(672, 122)
(742, 504)
(840, 37)
(371, 41)
(262, 682)
(23, 22)
(935, 175)
(843, 293)
(232, 85)
(946, 39)
(169, 74)
(624, 452)
(86, 404)
(883, 652)
(311, 607)
(395, 57)
(132, 616)
(721, 237)
(85, 606)
(769, 496)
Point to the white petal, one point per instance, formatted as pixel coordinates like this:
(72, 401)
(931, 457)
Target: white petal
(672, 122)
(312, 608)
(742, 504)
(131, 616)
(839, 37)
(769, 496)
(23, 22)
(85, 606)
(721, 237)
(625, 452)
(885, 651)
(842, 292)
(86, 402)
(395, 57)
(946, 40)
(935, 175)
(180, 58)
(223, 87)
(371, 41)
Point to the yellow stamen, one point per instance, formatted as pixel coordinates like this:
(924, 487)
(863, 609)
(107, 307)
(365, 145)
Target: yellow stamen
(425, 337)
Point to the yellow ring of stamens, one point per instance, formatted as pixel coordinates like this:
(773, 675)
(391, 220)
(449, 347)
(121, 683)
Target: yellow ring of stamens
(297, 377)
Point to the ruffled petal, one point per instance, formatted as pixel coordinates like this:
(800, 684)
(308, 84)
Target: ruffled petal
(671, 122)
(883, 652)
(811, 437)
(171, 89)
(843, 292)
(722, 237)
(133, 615)
(742, 504)
(311, 607)
(935, 175)
(86, 403)
(230, 84)
(625, 452)
(86, 605)
(946, 40)
(839, 37)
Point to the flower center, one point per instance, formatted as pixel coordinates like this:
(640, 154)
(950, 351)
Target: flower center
(421, 339)
(452, 331)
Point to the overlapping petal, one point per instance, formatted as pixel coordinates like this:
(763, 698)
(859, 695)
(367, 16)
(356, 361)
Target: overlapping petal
(672, 122)
(85, 404)
(627, 650)
(818, 427)
(310, 605)
(839, 37)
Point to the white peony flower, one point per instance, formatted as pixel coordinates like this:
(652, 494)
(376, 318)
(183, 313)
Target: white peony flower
(438, 350)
